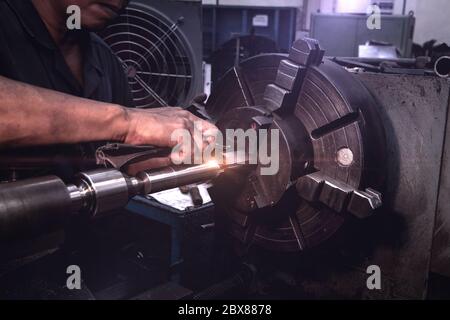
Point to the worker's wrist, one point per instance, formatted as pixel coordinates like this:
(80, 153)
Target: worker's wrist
(121, 124)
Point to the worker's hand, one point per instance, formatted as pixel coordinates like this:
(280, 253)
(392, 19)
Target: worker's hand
(157, 126)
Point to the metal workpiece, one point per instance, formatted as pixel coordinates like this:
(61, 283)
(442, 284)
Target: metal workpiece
(105, 190)
(172, 177)
(32, 207)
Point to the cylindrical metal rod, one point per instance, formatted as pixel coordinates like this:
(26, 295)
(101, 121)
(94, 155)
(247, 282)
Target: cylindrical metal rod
(408, 61)
(173, 177)
(30, 207)
(106, 190)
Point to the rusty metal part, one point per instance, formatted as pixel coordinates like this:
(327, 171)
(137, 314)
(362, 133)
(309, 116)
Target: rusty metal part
(194, 192)
(329, 126)
(196, 197)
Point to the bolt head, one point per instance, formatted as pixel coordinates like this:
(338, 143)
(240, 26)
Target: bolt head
(345, 157)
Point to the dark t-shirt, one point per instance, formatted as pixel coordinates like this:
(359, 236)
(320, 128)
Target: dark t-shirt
(29, 54)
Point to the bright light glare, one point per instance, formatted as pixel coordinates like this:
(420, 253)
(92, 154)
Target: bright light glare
(213, 163)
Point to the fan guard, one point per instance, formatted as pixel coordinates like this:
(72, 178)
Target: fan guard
(156, 56)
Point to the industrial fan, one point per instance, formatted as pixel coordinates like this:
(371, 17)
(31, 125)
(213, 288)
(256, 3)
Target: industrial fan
(156, 53)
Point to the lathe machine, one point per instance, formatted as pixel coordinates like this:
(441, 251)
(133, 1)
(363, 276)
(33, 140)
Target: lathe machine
(363, 181)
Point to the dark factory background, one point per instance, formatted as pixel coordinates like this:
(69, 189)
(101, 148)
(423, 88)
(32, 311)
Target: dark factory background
(363, 110)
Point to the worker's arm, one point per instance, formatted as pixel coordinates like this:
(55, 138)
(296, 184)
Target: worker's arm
(34, 116)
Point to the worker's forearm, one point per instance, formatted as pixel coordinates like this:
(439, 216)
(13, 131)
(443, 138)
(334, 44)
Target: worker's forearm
(34, 116)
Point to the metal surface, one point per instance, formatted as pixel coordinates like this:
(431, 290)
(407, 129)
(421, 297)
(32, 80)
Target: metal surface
(196, 197)
(440, 262)
(413, 111)
(106, 190)
(173, 177)
(415, 66)
(30, 207)
(245, 85)
(320, 110)
(338, 196)
(399, 239)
